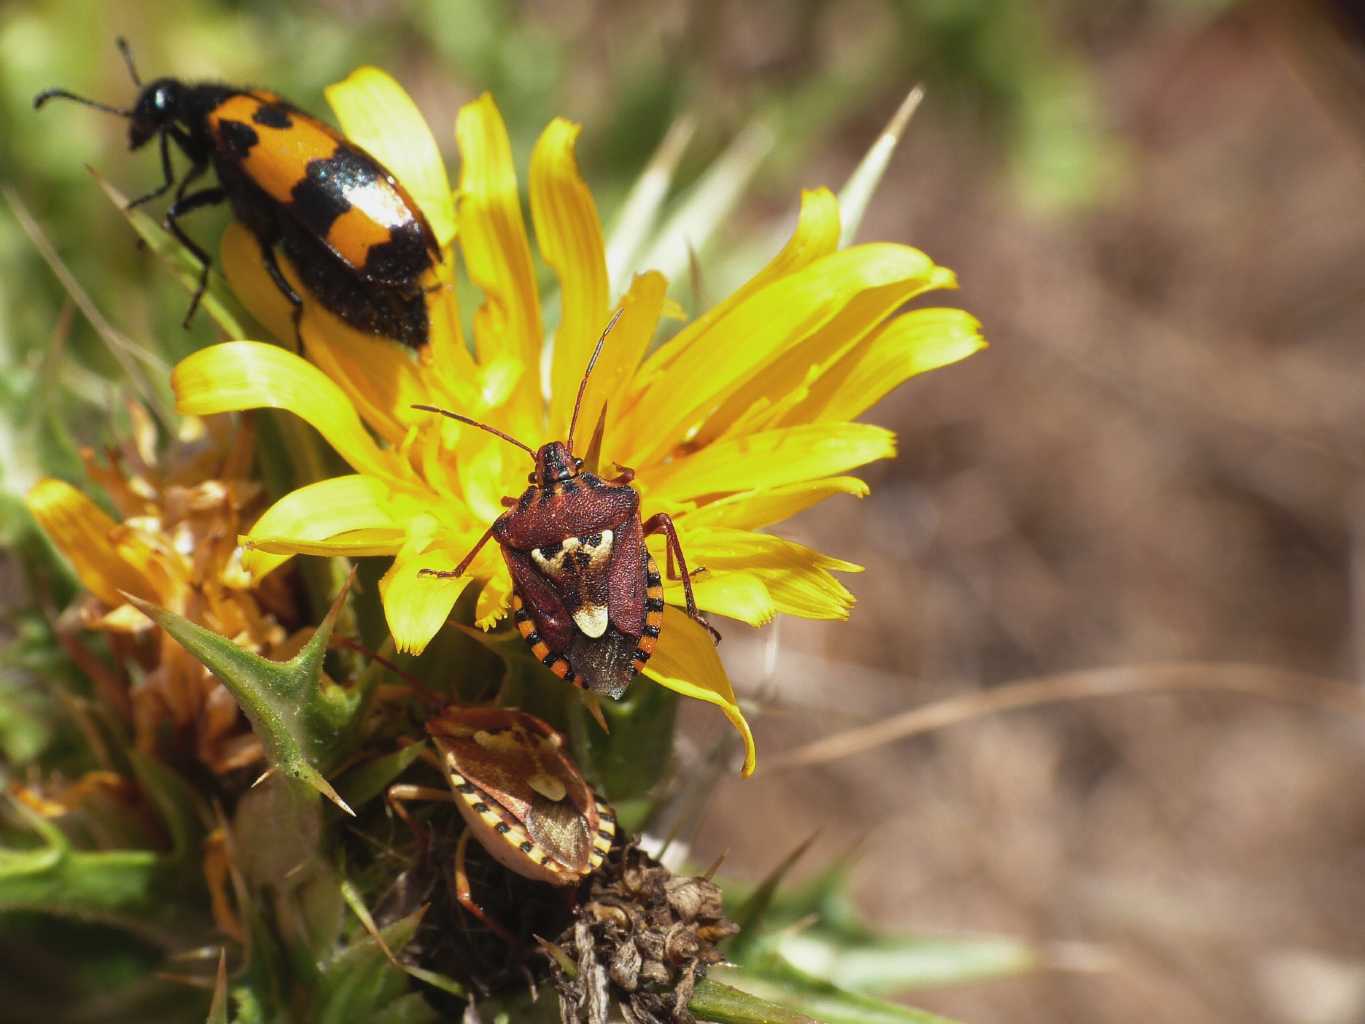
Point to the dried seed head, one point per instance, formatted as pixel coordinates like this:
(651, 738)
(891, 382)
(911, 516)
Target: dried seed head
(649, 934)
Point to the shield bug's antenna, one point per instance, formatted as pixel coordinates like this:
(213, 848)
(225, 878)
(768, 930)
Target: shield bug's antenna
(583, 386)
(482, 426)
(127, 52)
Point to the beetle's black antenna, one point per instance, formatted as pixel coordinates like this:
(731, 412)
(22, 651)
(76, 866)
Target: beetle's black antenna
(482, 426)
(54, 94)
(127, 52)
(583, 386)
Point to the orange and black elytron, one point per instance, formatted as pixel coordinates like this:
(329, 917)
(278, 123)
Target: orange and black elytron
(360, 244)
(587, 594)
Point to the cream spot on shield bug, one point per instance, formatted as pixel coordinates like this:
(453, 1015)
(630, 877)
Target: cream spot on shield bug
(591, 619)
(547, 786)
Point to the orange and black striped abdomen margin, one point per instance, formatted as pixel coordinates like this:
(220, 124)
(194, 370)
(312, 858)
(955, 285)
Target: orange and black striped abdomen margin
(654, 615)
(332, 188)
(556, 663)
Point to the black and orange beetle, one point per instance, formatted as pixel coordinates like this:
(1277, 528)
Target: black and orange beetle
(587, 595)
(520, 795)
(360, 244)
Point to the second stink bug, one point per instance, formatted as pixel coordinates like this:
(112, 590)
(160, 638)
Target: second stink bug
(587, 594)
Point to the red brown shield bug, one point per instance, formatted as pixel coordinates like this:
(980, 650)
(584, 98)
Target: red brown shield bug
(520, 796)
(587, 594)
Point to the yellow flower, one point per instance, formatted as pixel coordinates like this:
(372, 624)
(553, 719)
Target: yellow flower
(175, 546)
(740, 420)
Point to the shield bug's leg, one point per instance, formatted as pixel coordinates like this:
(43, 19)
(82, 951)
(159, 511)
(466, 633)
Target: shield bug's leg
(464, 896)
(662, 523)
(187, 204)
(445, 574)
(401, 793)
(166, 169)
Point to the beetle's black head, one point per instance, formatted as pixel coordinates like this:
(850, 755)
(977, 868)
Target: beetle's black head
(158, 107)
(555, 464)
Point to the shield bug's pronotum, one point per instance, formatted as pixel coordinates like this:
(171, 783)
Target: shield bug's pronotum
(520, 796)
(361, 246)
(587, 594)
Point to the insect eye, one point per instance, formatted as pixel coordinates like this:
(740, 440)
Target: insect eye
(530, 478)
(578, 463)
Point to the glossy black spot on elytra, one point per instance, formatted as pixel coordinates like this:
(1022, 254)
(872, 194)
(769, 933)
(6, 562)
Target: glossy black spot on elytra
(641, 656)
(481, 808)
(502, 828)
(404, 257)
(270, 115)
(238, 138)
(533, 638)
(653, 579)
(652, 631)
(468, 789)
(525, 847)
(654, 604)
(549, 659)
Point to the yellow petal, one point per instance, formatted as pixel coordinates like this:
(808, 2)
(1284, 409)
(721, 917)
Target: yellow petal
(380, 377)
(496, 251)
(786, 381)
(494, 600)
(641, 308)
(320, 512)
(687, 663)
(797, 578)
(376, 113)
(736, 595)
(239, 254)
(816, 235)
(81, 530)
(417, 606)
(773, 458)
(350, 544)
(570, 237)
(240, 375)
(911, 344)
(748, 510)
(768, 323)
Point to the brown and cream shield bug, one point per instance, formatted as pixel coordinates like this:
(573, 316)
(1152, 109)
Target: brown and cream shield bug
(587, 594)
(520, 795)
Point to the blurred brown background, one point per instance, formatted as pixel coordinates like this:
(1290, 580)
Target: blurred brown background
(1159, 460)
(1158, 212)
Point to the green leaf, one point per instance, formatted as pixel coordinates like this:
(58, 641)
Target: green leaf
(218, 1008)
(724, 1004)
(862, 183)
(182, 263)
(305, 723)
(822, 1000)
(892, 965)
(409, 1009)
(367, 780)
(136, 889)
(360, 979)
(751, 915)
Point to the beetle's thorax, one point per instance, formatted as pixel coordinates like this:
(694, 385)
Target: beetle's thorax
(555, 464)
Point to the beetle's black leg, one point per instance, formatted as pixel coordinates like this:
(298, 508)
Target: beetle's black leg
(445, 574)
(662, 523)
(167, 170)
(272, 267)
(182, 206)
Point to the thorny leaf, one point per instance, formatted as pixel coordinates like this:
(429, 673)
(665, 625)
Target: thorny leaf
(361, 979)
(305, 723)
